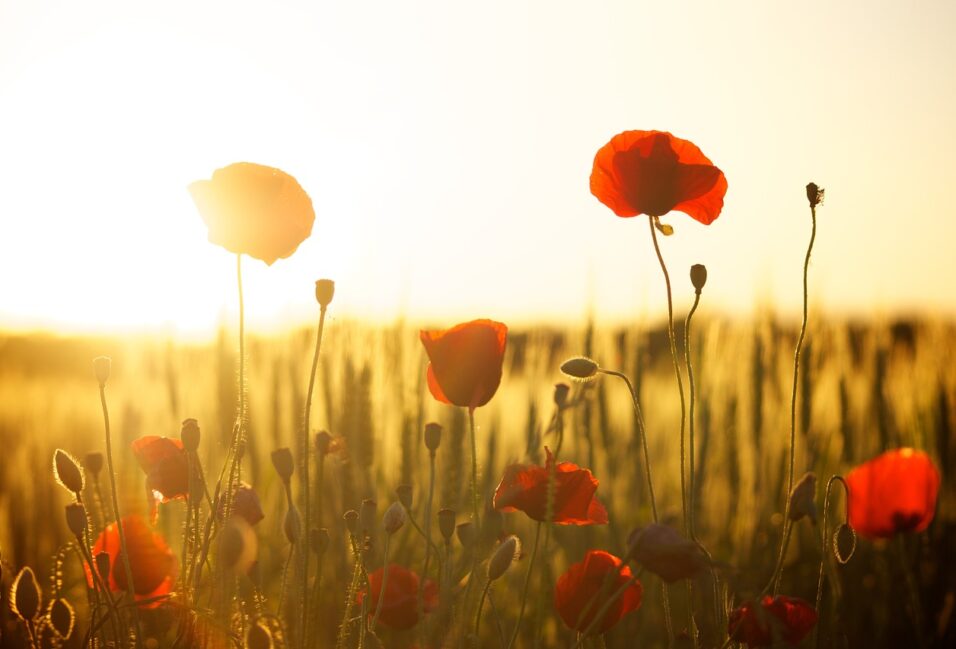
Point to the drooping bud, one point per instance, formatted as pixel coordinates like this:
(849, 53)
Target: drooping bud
(466, 533)
(67, 471)
(282, 461)
(102, 561)
(323, 442)
(404, 493)
(93, 463)
(258, 637)
(319, 540)
(844, 543)
(62, 618)
(698, 277)
(394, 518)
(190, 435)
(506, 552)
(76, 519)
(814, 194)
(802, 498)
(292, 526)
(432, 436)
(25, 595)
(446, 523)
(101, 368)
(351, 521)
(324, 291)
(368, 517)
(580, 368)
(561, 391)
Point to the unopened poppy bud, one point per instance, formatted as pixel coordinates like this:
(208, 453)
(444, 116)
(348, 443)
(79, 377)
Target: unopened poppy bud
(394, 518)
(62, 618)
(25, 594)
(67, 471)
(404, 493)
(93, 463)
(351, 521)
(432, 436)
(368, 517)
(844, 543)
(190, 435)
(802, 498)
(102, 561)
(580, 368)
(282, 461)
(814, 194)
(101, 368)
(323, 442)
(698, 276)
(506, 552)
(466, 533)
(76, 519)
(292, 526)
(258, 637)
(324, 290)
(319, 540)
(561, 391)
(446, 523)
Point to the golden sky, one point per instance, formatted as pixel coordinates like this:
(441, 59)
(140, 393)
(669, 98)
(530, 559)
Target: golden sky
(447, 148)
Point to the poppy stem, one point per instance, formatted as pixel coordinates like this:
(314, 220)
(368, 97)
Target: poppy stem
(343, 634)
(912, 590)
(823, 547)
(793, 394)
(130, 584)
(481, 605)
(607, 606)
(420, 598)
(382, 591)
(474, 472)
(527, 582)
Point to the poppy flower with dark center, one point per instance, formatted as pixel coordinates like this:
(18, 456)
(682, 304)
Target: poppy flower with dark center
(777, 618)
(164, 461)
(255, 210)
(151, 561)
(894, 492)
(466, 361)
(653, 173)
(400, 606)
(596, 578)
(525, 488)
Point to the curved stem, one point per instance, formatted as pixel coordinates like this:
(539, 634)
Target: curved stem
(481, 605)
(527, 582)
(381, 593)
(825, 535)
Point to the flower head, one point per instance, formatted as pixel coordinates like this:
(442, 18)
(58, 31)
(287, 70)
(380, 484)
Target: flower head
(466, 361)
(585, 581)
(254, 209)
(894, 492)
(653, 173)
(780, 617)
(164, 461)
(525, 488)
(400, 606)
(151, 561)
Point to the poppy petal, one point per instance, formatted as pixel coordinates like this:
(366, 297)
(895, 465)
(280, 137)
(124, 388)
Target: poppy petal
(466, 361)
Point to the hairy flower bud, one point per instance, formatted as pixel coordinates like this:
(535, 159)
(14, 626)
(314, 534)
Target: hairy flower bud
(25, 595)
(698, 277)
(580, 368)
(67, 471)
(101, 368)
(76, 519)
(190, 435)
(62, 618)
(446, 523)
(506, 552)
(432, 436)
(802, 498)
(394, 518)
(282, 461)
(324, 291)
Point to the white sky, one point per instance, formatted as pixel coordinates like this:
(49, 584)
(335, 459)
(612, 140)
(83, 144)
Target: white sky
(447, 148)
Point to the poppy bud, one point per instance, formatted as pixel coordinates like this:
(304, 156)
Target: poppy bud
(466, 533)
(394, 518)
(76, 519)
(801, 498)
(844, 543)
(368, 516)
(245, 503)
(258, 637)
(432, 436)
(404, 492)
(814, 194)
(93, 463)
(323, 442)
(292, 526)
(101, 368)
(446, 523)
(319, 540)
(561, 391)
(663, 228)
(506, 552)
(102, 561)
(25, 595)
(190, 435)
(282, 461)
(698, 277)
(324, 290)
(580, 368)
(62, 618)
(351, 521)
(67, 471)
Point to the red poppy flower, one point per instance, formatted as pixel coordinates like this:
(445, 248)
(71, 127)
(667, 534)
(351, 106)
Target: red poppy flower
(466, 360)
(895, 492)
(400, 608)
(584, 581)
(165, 464)
(151, 561)
(780, 617)
(525, 488)
(653, 173)
(253, 209)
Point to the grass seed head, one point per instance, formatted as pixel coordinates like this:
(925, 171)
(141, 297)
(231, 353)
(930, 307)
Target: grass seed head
(68, 471)
(25, 597)
(190, 435)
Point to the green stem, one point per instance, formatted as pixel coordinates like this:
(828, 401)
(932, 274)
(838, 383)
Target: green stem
(527, 582)
(474, 472)
(481, 605)
(825, 537)
(381, 592)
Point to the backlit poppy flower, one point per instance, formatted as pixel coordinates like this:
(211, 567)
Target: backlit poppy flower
(524, 488)
(151, 561)
(400, 607)
(663, 551)
(585, 581)
(653, 173)
(777, 618)
(466, 360)
(253, 209)
(165, 464)
(894, 492)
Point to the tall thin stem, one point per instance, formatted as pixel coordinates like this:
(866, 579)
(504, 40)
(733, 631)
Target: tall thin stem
(527, 582)
(420, 599)
(692, 528)
(823, 545)
(474, 470)
(382, 591)
(481, 605)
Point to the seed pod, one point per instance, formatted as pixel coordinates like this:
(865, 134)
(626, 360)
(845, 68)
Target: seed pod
(324, 291)
(101, 368)
(103, 565)
(292, 525)
(246, 503)
(368, 518)
(76, 519)
(394, 518)
(282, 461)
(561, 391)
(67, 471)
(446, 523)
(506, 552)
(258, 637)
(319, 540)
(698, 277)
(802, 498)
(93, 463)
(62, 618)
(580, 368)
(404, 493)
(323, 442)
(25, 594)
(190, 435)
(814, 194)
(351, 521)
(432, 436)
